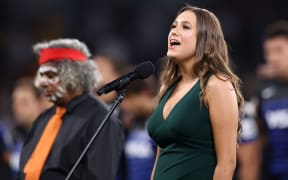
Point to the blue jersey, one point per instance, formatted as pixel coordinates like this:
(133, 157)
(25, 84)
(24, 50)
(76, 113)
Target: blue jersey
(140, 153)
(274, 111)
(3, 144)
(249, 131)
(5, 139)
(18, 135)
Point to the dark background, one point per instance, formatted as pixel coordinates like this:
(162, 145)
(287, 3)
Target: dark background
(135, 30)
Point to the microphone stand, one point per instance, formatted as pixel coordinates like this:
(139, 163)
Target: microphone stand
(117, 101)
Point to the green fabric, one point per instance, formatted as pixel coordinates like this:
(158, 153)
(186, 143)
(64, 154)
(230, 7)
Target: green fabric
(185, 138)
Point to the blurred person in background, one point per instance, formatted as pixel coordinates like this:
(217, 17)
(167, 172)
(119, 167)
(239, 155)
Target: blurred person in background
(27, 104)
(196, 122)
(275, 53)
(139, 148)
(273, 102)
(5, 170)
(112, 67)
(59, 135)
(249, 153)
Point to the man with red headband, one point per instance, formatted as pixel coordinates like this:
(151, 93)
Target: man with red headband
(60, 134)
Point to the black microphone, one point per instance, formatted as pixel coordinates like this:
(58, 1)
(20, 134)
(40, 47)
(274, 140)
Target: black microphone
(141, 71)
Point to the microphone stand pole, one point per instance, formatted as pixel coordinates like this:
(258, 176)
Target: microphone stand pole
(117, 101)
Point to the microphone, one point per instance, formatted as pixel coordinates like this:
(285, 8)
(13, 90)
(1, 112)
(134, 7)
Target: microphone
(141, 71)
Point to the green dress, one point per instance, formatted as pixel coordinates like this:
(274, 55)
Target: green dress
(185, 138)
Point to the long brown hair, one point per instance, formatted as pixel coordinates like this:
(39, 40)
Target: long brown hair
(211, 56)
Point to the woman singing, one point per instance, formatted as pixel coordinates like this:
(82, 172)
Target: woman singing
(196, 123)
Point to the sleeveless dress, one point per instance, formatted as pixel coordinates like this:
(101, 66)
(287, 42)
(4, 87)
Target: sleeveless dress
(184, 137)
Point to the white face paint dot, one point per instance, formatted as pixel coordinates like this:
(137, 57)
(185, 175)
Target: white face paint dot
(60, 92)
(45, 69)
(48, 77)
(44, 79)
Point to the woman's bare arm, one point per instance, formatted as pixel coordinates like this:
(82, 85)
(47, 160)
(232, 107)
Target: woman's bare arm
(223, 109)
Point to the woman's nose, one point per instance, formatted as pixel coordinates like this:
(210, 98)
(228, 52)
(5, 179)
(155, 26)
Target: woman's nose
(174, 32)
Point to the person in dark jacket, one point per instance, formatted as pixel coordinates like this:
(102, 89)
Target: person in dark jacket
(60, 134)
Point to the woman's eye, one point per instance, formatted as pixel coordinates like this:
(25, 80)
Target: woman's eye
(186, 27)
(172, 26)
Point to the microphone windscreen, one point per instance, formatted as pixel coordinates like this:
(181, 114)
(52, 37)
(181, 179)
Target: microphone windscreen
(145, 69)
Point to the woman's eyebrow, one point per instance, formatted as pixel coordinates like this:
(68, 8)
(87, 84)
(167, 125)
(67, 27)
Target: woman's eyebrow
(186, 22)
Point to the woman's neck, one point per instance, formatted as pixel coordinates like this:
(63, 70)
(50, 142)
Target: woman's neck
(187, 70)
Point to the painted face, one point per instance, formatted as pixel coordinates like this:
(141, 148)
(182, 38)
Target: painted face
(182, 37)
(49, 82)
(276, 54)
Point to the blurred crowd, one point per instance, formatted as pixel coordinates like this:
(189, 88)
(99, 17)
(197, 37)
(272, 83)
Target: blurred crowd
(263, 147)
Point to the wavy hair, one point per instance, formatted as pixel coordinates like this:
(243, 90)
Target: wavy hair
(211, 56)
(73, 75)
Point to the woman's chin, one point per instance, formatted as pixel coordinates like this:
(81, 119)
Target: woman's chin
(171, 55)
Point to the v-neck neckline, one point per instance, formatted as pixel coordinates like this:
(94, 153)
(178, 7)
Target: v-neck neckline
(169, 93)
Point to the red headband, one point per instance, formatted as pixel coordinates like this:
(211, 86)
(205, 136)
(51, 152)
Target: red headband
(58, 54)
